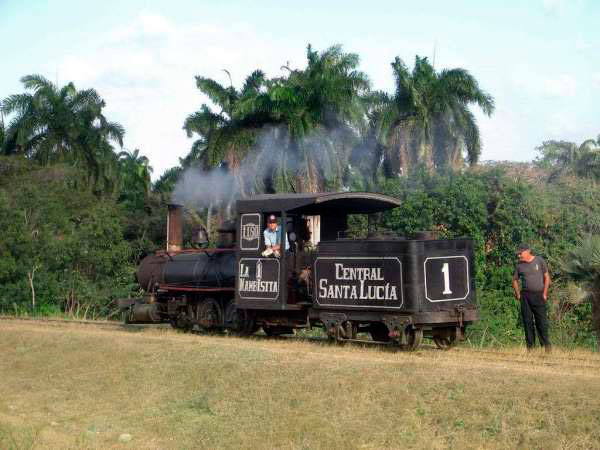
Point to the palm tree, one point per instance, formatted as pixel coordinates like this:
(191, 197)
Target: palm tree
(322, 111)
(226, 135)
(167, 181)
(568, 158)
(134, 177)
(428, 120)
(308, 123)
(61, 124)
(582, 264)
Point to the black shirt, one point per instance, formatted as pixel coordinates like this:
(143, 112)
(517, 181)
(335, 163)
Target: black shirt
(531, 274)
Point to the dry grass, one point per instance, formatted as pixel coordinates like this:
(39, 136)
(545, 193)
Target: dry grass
(72, 386)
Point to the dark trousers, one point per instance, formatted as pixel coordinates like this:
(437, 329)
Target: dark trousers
(533, 309)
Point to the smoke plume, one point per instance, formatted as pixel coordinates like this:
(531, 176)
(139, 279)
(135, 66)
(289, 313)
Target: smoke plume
(324, 151)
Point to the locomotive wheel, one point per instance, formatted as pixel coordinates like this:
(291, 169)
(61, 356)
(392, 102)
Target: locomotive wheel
(443, 343)
(379, 332)
(182, 322)
(250, 326)
(209, 314)
(239, 321)
(233, 320)
(414, 337)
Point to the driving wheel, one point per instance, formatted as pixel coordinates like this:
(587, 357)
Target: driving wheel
(209, 315)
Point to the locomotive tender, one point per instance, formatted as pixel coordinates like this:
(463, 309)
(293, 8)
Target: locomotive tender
(397, 290)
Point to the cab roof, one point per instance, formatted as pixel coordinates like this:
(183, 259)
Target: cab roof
(319, 203)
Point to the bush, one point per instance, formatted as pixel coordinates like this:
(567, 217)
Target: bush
(499, 208)
(65, 241)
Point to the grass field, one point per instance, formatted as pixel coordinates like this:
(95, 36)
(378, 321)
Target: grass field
(76, 386)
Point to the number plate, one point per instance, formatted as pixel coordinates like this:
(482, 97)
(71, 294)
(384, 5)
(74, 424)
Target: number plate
(446, 278)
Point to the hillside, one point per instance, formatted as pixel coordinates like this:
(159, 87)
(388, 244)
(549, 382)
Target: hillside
(69, 386)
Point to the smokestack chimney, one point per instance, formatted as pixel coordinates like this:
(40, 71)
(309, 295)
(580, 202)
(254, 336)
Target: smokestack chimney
(174, 228)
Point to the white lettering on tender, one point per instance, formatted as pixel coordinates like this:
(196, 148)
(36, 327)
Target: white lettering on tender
(360, 291)
(357, 273)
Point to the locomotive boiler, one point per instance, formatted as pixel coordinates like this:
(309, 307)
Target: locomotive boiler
(393, 289)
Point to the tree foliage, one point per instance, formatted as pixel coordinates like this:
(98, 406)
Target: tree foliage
(568, 158)
(60, 245)
(582, 264)
(427, 120)
(498, 207)
(62, 124)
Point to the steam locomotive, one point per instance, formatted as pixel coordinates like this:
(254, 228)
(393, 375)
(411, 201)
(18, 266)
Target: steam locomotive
(394, 289)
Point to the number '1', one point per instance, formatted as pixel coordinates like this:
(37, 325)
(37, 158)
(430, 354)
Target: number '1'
(446, 272)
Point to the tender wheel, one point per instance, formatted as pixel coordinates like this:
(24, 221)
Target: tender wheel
(414, 337)
(379, 332)
(443, 343)
(209, 314)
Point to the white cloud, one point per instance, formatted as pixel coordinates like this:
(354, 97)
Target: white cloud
(502, 135)
(561, 86)
(145, 25)
(145, 71)
(561, 123)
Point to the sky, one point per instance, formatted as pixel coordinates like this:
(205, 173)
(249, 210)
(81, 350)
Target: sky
(537, 58)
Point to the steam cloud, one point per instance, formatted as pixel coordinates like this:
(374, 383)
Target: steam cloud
(198, 189)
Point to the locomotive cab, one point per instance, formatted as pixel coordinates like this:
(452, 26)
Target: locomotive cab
(269, 281)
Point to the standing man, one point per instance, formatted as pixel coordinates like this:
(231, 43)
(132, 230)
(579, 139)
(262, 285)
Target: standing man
(532, 272)
(272, 236)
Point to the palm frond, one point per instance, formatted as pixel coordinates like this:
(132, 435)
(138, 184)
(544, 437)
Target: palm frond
(37, 82)
(217, 94)
(253, 82)
(17, 103)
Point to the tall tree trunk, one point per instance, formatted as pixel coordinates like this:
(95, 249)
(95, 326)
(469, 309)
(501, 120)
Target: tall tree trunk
(31, 275)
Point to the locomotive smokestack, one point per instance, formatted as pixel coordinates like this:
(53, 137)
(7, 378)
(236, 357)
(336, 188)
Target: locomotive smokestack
(174, 228)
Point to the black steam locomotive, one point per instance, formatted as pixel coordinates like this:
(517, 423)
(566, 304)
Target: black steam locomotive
(397, 290)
